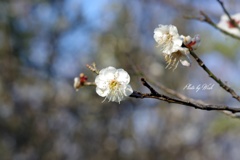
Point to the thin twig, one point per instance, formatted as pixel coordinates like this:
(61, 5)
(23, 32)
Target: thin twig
(89, 84)
(164, 88)
(155, 95)
(93, 68)
(183, 97)
(215, 78)
(172, 92)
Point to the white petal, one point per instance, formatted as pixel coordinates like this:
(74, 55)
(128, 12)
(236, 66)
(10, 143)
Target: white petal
(76, 82)
(108, 73)
(157, 35)
(236, 16)
(185, 59)
(128, 90)
(102, 92)
(185, 62)
(100, 81)
(171, 49)
(98, 78)
(177, 42)
(123, 76)
(163, 28)
(106, 69)
(186, 40)
(184, 51)
(112, 97)
(158, 31)
(224, 17)
(173, 30)
(102, 84)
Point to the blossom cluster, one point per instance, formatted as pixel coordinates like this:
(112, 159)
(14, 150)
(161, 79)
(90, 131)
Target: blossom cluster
(113, 84)
(174, 47)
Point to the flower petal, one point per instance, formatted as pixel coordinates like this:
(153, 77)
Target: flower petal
(123, 76)
(101, 82)
(128, 90)
(173, 30)
(108, 73)
(185, 62)
(178, 42)
(102, 92)
(185, 59)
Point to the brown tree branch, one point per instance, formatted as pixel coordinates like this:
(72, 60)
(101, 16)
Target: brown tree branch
(169, 91)
(183, 97)
(155, 95)
(215, 78)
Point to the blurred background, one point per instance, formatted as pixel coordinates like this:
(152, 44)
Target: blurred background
(44, 44)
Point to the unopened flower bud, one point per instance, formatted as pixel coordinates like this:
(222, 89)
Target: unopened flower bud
(191, 43)
(79, 81)
(83, 78)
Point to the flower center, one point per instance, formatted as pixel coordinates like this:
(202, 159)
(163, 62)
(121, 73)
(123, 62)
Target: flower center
(167, 40)
(113, 85)
(169, 37)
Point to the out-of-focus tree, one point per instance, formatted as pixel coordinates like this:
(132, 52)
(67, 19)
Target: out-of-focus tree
(44, 44)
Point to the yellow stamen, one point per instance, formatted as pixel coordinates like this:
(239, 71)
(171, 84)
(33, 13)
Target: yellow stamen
(173, 59)
(113, 85)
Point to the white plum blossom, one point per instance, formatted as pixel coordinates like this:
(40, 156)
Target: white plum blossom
(226, 24)
(170, 43)
(167, 38)
(113, 84)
